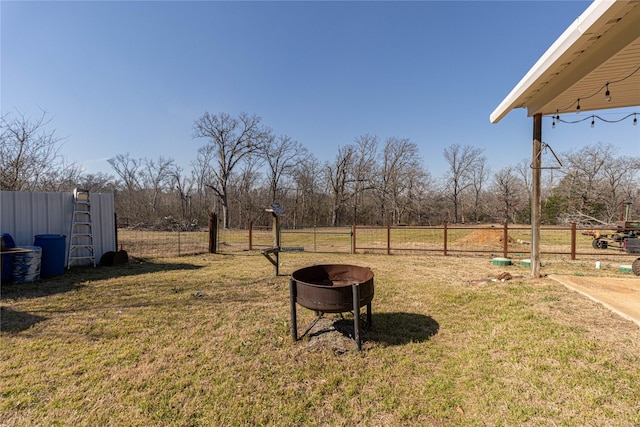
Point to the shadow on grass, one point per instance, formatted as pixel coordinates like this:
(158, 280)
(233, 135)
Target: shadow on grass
(75, 278)
(15, 321)
(394, 328)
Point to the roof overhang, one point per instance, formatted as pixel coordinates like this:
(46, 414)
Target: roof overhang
(602, 45)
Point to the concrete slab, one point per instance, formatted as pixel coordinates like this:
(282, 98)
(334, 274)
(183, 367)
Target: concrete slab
(620, 295)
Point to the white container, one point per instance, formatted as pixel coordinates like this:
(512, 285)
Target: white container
(25, 267)
(598, 265)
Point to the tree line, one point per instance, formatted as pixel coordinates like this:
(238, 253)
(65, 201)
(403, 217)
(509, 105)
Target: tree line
(242, 166)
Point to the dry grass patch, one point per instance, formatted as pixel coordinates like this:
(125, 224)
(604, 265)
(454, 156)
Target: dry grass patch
(204, 340)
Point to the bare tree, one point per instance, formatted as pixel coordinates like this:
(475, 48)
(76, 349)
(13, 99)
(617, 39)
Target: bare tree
(479, 175)
(524, 172)
(281, 154)
(584, 174)
(338, 179)
(30, 157)
(202, 173)
(416, 182)
(156, 176)
(244, 191)
(64, 177)
(508, 189)
(523, 169)
(128, 171)
(364, 170)
(307, 181)
(184, 186)
(619, 182)
(587, 165)
(401, 177)
(98, 182)
(462, 161)
(232, 140)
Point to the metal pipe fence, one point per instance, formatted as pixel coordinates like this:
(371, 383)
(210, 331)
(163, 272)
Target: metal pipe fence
(504, 240)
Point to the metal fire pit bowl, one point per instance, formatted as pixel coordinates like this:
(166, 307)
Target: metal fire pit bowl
(332, 288)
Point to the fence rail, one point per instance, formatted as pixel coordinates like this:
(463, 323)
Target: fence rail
(504, 239)
(501, 240)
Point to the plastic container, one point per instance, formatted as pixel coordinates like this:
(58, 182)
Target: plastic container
(53, 253)
(501, 261)
(7, 242)
(25, 267)
(625, 268)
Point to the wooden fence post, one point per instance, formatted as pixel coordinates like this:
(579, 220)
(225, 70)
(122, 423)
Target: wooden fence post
(250, 235)
(505, 240)
(444, 224)
(353, 238)
(573, 241)
(389, 238)
(213, 233)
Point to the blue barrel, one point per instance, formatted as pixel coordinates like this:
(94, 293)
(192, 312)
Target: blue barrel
(7, 242)
(53, 253)
(25, 266)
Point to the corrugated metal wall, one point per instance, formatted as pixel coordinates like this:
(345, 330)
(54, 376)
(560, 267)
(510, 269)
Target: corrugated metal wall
(25, 214)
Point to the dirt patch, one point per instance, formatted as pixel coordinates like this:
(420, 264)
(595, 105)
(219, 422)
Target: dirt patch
(332, 333)
(490, 236)
(621, 295)
(499, 278)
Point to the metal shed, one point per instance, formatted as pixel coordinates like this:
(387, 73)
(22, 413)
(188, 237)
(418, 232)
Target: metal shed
(26, 214)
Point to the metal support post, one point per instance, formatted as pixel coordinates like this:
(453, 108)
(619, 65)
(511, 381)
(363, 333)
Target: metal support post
(356, 315)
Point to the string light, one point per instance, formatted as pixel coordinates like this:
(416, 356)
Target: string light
(556, 118)
(607, 94)
(607, 97)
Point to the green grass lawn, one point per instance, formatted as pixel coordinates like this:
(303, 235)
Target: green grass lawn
(205, 340)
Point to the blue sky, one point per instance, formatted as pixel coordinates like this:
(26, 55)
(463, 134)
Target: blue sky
(132, 77)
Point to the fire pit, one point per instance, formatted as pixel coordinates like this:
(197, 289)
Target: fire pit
(332, 288)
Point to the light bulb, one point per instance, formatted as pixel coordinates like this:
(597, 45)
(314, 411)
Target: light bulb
(607, 94)
(593, 122)
(578, 107)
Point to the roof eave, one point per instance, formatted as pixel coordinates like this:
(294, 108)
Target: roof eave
(561, 47)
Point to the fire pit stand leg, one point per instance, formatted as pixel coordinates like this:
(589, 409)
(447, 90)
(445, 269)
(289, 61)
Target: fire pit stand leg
(294, 319)
(356, 314)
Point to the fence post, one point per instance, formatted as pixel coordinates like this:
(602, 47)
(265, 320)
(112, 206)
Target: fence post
(505, 240)
(389, 238)
(573, 241)
(213, 233)
(444, 224)
(353, 238)
(250, 235)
